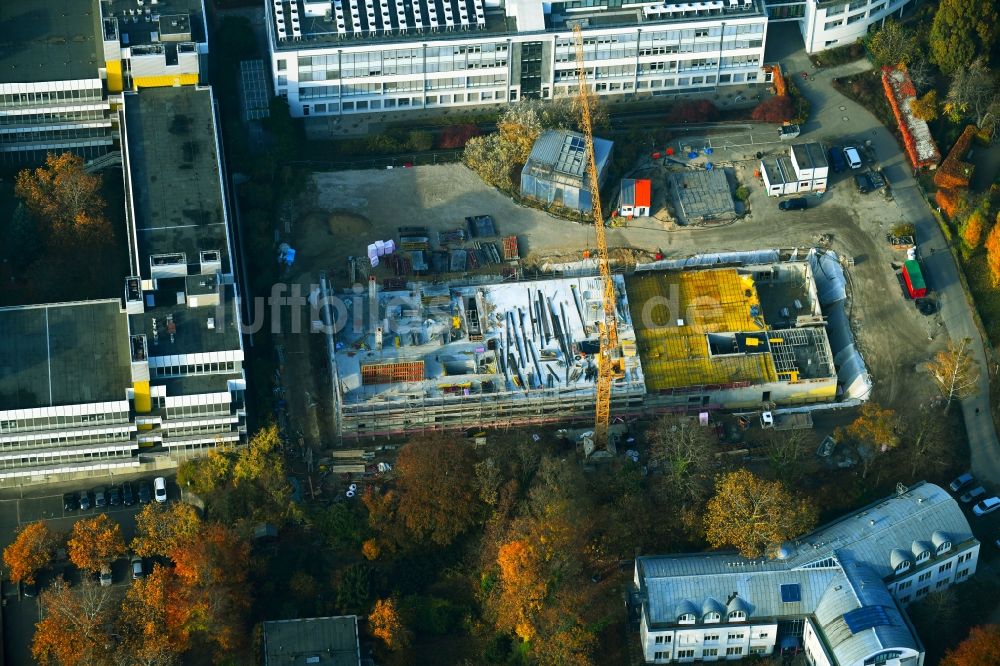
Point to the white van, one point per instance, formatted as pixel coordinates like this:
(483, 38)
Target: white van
(853, 157)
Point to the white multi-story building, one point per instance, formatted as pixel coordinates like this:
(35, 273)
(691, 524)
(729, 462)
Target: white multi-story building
(334, 57)
(837, 593)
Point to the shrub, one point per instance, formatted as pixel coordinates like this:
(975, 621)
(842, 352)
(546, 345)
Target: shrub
(774, 110)
(700, 110)
(925, 108)
(904, 229)
(954, 170)
(972, 230)
(948, 199)
(456, 136)
(742, 192)
(419, 140)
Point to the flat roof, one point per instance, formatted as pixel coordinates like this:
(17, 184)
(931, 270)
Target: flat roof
(49, 40)
(63, 354)
(164, 19)
(702, 195)
(191, 332)
(174, 171)
(564, 152)
(327, 641)
(398, 24)
(197, 384)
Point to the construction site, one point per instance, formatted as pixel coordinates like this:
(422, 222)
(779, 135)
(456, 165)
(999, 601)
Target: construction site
(484, 352)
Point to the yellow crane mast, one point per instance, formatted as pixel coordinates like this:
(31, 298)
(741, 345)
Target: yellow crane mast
(609, 361)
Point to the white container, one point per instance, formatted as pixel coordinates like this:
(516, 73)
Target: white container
(380, 247)
(390, 246)
(374, 261)
(372, 251)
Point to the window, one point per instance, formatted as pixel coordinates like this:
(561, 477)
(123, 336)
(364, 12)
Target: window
(711, 617)
(710, 652)
(961, 574)
(760, 649)
(687, 618)
(883, 657)
(924, 576)
(736, 637)
(904, 600)
(921, 591)
(923, 556)
(685, 654)
(904, 585)
(661, 655)
(944, 547)
(733, 650)
(944, 567)
(710, 638)
(762, 634)
(658, 641)
(737, 616)
(282, 64)
(829, 25)
(941, 583)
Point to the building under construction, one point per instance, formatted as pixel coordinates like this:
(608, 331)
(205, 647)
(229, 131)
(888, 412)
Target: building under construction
(445, 356)
(450, 356)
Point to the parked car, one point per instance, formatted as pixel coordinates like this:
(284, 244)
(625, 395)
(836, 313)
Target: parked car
(973, 494)
(71, 502)
(837, 161)
(988, 505)
(105, 577)
(793, 204)
(961, 482)
(853, 157)
(863, 183)
(114, 496)
(100, 497)
(128, 494)
(138, 569)
(29, 589)
(84, 501)
(876, 178)
(145, 492)
(160, 489)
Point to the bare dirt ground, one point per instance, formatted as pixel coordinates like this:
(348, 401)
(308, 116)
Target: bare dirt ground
(345, 211)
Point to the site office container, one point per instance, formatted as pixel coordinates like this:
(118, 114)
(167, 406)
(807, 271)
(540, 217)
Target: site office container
(914, 279)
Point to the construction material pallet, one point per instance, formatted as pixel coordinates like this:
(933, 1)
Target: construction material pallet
(488, 253)
(458, 260)
(414, 238)
(481, 226)
(391, 373)
(510, 250)
(451, 237)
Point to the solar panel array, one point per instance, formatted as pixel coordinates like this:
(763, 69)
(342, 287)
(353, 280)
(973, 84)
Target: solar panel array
(867, 617)
(369, 18)
(791, 593)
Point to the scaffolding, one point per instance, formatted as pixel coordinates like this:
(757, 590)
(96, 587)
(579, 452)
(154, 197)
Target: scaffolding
(391, 373)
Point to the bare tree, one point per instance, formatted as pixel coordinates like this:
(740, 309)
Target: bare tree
(920, 72)
(972, 92)
(955, 372)
(684, 452)
(930, 447)
(786, 451)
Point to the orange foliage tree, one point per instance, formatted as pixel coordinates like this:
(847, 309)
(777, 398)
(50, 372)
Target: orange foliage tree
(30, 552)
(159, 528)
(523, 590)
(980, 648)
(155, 618)
(73, 629)
(993, 253)
(438, 496)
(972, 231)
(370, 549)
(62, 196)
(754, 515)
(94, 542)
(387, 625)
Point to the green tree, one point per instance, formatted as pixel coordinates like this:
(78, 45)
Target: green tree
(926, 107)
(961, 30)
(892, 45)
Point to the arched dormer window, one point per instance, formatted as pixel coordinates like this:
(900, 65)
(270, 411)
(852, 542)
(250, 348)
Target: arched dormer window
(737, 616)
(687, 618)
(903, 566)
(923, 557)
(711, 618)
(941, 541)
(900, 560)
(944, 548)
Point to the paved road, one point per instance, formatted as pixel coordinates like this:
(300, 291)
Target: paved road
(833, 115)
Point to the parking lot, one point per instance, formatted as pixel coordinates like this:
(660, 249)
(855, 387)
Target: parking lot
(21, 613)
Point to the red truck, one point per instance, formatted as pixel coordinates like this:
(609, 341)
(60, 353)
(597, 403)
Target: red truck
(914, 279)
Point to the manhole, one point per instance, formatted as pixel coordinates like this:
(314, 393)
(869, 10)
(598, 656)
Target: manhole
(843, 108)
(844, 118)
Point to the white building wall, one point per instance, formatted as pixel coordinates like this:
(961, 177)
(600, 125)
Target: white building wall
(829, 25)
(707, 642)
(642, 60)
(940, 572)
(813, 646)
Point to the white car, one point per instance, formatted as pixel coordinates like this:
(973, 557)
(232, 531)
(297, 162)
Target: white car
(160, 489)
(988, 505)
(853, 157)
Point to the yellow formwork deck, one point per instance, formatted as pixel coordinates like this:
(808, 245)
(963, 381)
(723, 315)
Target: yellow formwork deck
(674, 312)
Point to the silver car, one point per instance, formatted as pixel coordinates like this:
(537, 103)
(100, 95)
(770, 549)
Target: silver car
(973, 494)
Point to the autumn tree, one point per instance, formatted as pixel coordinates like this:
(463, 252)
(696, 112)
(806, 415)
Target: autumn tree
(523, 589)
(925, 107)
(156, 619)
(370, 550)
(159, 528)
(954, 371)
(62, 196)
(972, 230)
(489, 478)
(892, 45)
(972, 92)
(993, 253)
(684, 453)
(438, 496)
(30, 552)
(961, 30)
(754, 515)
(777, 109)
(95, 542)
(981, 647)
(73, 630)
(387, 625)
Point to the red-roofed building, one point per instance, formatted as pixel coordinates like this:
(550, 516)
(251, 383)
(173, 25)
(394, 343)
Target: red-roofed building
(636, 198)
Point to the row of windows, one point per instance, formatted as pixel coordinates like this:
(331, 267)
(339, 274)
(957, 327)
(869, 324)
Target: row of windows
(196, 369)
(49, 116)
(56, 135)
(62, 421)
(64, 440)
(218, 428)
(402, 102)
(61, 458)
(221, 409)
(49, 96)
(390, 87)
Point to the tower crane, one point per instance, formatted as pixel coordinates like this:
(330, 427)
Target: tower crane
(610, 365)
